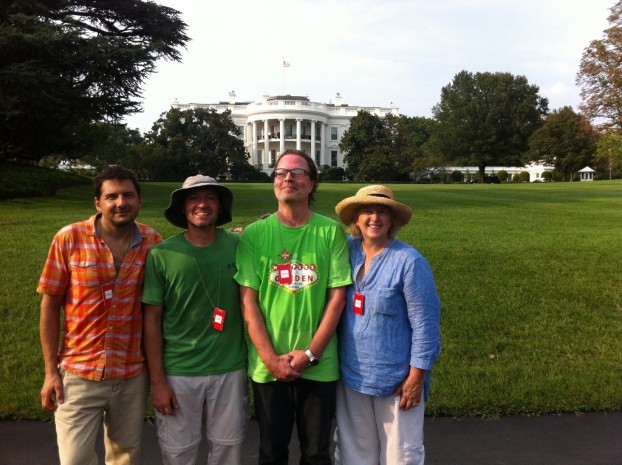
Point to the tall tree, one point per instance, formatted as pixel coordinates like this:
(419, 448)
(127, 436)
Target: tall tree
(600, 74)
(609, 153)
(183, 143)
(379, 149)
(566, 140)
(67, 63)
(486, 119)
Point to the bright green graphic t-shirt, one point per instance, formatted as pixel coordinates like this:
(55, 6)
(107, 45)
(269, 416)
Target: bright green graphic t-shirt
(317, 255)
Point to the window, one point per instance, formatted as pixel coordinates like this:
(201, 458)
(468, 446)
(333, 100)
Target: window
(289, 130)
(259, 157)
(333, 158)
(272, 157)
(333, 133)
(317, 158)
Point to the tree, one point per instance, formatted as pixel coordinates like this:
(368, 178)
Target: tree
(67, 63)
(600, 74)
(379, 149)
(609, 153)
(486, 119)
(566, 140)
(183, 143)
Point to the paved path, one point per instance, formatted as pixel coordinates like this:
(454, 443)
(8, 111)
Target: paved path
(587, 439)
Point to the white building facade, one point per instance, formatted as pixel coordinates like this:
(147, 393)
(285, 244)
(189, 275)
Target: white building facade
(275, 124)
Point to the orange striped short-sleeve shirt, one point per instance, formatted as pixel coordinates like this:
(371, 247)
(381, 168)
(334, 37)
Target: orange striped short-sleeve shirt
(102, 324)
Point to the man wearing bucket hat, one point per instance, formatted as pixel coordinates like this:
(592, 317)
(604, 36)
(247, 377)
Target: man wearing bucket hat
(194, 335)
(292, 269)
(388, 336)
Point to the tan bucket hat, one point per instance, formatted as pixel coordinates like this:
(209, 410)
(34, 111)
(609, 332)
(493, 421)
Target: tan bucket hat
(373, 195)
(174, 212)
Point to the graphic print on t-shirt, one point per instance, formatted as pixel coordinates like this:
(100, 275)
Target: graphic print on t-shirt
(300, 276)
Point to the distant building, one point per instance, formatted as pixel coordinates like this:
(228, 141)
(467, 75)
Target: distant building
(274, 124)
(587, 174)
(535, 170)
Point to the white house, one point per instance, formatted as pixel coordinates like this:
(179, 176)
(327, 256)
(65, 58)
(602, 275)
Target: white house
(274, 124)
(277, 123)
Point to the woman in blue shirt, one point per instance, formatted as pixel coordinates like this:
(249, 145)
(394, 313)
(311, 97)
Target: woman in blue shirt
(389, 336)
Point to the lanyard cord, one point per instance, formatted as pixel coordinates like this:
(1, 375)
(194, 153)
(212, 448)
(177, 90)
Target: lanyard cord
(203, 282)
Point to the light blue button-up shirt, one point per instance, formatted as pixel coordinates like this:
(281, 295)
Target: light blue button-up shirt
(399, 327)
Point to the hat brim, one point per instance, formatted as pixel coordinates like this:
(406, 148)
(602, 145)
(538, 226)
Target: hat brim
(174, 212)
(347, 208)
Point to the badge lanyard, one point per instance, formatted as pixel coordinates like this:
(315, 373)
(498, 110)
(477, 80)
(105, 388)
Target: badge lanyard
(284, 270)
(358, 302)
(218, 320)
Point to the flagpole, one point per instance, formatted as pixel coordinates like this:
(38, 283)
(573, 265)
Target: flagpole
(285, 65)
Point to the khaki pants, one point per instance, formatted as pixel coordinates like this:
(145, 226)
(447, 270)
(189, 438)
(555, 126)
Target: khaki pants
(120, 402)
(213, 406)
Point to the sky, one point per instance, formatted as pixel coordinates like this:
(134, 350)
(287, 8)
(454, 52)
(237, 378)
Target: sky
(371, 52)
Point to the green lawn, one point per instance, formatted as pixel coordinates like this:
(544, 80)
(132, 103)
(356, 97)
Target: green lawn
(529, 277)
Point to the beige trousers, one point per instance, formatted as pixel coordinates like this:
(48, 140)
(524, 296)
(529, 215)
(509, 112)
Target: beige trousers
(119, 402)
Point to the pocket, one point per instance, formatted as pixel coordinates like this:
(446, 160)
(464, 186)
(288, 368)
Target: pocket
(85, 273)
(388, 302)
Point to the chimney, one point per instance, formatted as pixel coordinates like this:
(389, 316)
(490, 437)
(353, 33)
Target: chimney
(232, 97)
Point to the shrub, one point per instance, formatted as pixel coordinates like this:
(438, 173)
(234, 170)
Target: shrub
(523, 176)
(503, 175)
(457, 176)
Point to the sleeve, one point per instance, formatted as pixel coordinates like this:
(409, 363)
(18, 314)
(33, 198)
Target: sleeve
(423, 307)
(55, 277)
(339, 273)
(245, 255)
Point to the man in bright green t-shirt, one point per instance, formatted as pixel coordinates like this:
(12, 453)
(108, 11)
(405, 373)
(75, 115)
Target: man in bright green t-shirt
(292, 269)
(193, 331)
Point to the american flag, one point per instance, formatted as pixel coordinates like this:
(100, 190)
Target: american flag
(286, 64)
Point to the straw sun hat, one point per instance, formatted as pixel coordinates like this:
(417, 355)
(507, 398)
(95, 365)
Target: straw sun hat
(373, 195)
(175, 214)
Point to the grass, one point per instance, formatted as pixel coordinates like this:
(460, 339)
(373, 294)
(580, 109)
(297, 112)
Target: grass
(528, 274)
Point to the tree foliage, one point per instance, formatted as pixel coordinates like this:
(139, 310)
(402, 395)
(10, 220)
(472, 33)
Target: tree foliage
(486, 119)
(600, 74)
(379, 149)
(566, 140)
(609, 153)
(67, 63)
(183, 143)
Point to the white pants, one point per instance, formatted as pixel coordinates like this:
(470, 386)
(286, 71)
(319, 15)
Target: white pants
(216, 406)
(374, 430)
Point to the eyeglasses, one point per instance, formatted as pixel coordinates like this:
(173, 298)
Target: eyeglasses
(297, 173)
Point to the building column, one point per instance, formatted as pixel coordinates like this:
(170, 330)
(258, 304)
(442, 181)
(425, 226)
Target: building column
(312, 154)
(254, 157)
(266, 147)
(323, 145)
(282, 135)
(298, 143)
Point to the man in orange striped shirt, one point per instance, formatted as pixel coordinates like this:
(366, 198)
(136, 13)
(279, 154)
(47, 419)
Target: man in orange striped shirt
(94, 271)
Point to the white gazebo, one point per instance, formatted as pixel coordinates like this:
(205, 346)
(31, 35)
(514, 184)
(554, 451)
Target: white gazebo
(587, 174)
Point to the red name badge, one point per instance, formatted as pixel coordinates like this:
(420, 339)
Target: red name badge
(107, 294)
(359, 303)
(218, 322)
(285, 273)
